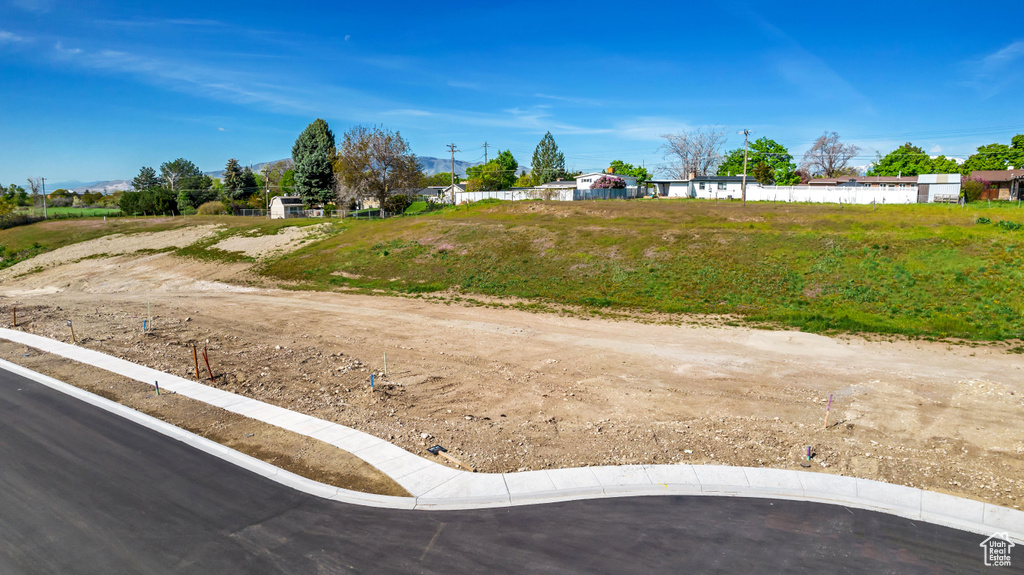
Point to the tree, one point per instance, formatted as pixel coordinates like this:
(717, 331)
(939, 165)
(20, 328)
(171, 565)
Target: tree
(548, 163)
(524, 180)
(497, 174)
(767, 152)
(828, 157)
(313, 154)
(239, 184)
(911, 160)
(232, 178)
(640, 173)
(765, 175)
(438, 179)
(146, 179)
(374, 163)
(696, 152)
(997, 156)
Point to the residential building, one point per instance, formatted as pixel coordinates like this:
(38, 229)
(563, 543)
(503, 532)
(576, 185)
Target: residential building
(1006, 184)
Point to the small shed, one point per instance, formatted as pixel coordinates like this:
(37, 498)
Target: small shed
(286, 207)
(938, 188)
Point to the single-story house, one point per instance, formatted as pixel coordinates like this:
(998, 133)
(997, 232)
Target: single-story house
(585, 181)
(1006, 184)
(704, 187)
(286, 207)
(867, 181)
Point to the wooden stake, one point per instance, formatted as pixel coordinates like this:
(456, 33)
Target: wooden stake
(72, 331)
(14, 316)
(385, 363)
(206, 358)
(195, 358)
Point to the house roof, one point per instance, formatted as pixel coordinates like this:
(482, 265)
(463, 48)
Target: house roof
(863, 180)
(723, 179)
(938, 179)
(667, 181)
(288, 200)
(622, 176)
(998, 175)
(562, 184)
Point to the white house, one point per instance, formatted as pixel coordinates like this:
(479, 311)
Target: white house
(286, 207)
(704, 187)
(585, 181)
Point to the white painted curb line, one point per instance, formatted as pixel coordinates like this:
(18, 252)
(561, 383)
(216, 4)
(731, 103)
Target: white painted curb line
(437, 487)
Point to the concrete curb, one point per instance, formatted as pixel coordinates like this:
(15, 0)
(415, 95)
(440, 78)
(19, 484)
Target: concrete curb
(436, 487)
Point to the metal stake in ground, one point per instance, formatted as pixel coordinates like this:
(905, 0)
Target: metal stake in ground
(72, 331)
(156, 384)
(438, 450)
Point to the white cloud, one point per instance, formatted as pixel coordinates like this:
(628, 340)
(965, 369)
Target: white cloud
(66, 51)
(9, 37)
(465, 85)
(936, 149)
(33, 5)
(407, 112)
(997, 71)
(221, 130)
(348, 37)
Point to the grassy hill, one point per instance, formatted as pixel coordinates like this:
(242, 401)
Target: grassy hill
(919, 270)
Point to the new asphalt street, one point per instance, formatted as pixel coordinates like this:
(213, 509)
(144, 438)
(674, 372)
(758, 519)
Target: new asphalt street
(85, 491)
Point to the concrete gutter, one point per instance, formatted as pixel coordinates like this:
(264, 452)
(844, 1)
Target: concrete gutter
(435, 486)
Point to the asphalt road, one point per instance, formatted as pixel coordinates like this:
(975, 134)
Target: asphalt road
(84, 491)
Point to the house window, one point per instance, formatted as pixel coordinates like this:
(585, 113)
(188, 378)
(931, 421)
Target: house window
(722, 186)
(702, 185)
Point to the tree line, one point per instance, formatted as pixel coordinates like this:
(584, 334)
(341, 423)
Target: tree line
(698, 152)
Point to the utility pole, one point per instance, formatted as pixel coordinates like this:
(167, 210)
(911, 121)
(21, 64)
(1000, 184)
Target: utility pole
(266, 182)
(485, 151)
(453, 148)
(44, 198)
(746, 136)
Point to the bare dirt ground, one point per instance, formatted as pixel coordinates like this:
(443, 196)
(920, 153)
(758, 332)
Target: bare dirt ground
(510, 390)
(297, 453)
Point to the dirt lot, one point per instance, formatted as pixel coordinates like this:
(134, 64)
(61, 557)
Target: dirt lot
(510, 390)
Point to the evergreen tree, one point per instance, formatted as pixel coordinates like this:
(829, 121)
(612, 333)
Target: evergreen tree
(548, 163)
(232, 178)
(313, 154)
(146, 179)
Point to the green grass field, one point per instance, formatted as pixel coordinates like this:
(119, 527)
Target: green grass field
(82, 212)
(917, 270)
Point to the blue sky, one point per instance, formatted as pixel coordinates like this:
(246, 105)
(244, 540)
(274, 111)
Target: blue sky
(94, 90)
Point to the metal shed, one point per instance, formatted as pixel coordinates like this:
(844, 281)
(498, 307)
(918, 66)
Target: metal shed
(938, 188)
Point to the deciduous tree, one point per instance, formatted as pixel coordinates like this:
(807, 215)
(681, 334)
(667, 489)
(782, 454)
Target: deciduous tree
(374, 163)
(639, 172)
(828, 157)
(763, 151)
(696, 151)
(911, 160)
(497, 174)
(313, 154)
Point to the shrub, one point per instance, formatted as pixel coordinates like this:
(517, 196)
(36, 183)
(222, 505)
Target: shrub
(396, 204)
(1010, 226)
(211, 209)
(188, 211)
(608, 183)
(972, 188)
(983, 220)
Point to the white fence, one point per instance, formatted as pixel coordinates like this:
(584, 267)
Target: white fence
(555, 194)
(831, 194)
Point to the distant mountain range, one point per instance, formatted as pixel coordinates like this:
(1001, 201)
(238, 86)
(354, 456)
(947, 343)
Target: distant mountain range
(430, 165)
